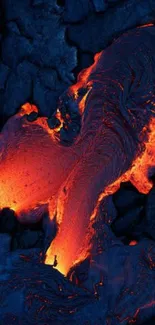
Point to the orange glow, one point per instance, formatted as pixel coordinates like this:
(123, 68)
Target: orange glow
(27, 109)
(59, 117)
(26, 186)
(82, 81)
(146, 25)
(133, 243)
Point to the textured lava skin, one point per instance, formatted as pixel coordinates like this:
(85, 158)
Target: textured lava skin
(36, 169)
(119, 103)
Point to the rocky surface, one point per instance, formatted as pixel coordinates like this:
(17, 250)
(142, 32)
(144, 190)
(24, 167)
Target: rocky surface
(135, 214)
(51, 41)
(27, 236)
(39, 66)
(96, 32)
(130, 205)
(44, 296)
(8, 221)
(127, 196)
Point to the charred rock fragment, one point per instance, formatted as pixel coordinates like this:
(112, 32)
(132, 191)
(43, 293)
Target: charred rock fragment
(8, 221)
(5, 244)
(50, 229)
(127, 196)
(79, 273)
(32, 116)
(27, 239)
(125, 224)
(150, 214)
(40, 63)
(53, 122)
(77, 11)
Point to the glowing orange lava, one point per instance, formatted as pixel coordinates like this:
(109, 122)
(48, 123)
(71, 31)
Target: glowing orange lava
(26, 185)
(82, 79)
(37, 172)
(24, 182)
(133, 243)
(72, 230)
(138, 175)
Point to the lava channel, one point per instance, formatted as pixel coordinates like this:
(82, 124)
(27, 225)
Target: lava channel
(115, 99)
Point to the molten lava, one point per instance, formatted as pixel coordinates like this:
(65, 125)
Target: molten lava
(30, 165)
(138, 174)
(116, 143)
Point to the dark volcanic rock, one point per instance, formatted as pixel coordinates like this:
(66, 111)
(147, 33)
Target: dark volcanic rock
(67, 136)
(151, 321)
(122, 280)
(27, 239)
(8, 221)
(5, 243)
(4, 72)
(79, 273)
(85, 60)
(125, 225)
(97, 31)
(32, 116)
(36, 61)
(135, 214)
(37, 226)
(100, 5)
(127, 197)
(49, 229)
(53, 122)
(150, 213)
(129, 223)
(77, 10)
(39, 66)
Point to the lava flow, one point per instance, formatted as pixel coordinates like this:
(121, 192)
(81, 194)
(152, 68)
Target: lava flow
(116, 101)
